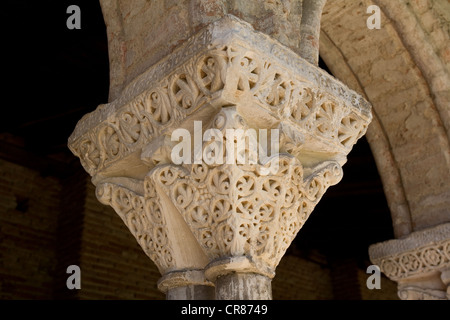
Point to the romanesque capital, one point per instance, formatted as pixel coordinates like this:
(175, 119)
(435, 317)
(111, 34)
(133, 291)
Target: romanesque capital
(226, 64)
(216, 156)
(419, 263)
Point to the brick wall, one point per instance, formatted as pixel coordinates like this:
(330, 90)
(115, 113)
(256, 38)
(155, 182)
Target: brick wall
(48, 223)
(387, 291)
(299, 278)
(29, 207)
(70, 227)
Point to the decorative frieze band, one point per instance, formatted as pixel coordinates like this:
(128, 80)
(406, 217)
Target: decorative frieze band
(215, 71)
(420, 253)
(416, 262)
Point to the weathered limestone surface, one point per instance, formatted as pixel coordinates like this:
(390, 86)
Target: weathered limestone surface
(419, 263)
(221, 223)
(247, 286)
(141, 33)
(310, 30)
(186, 285)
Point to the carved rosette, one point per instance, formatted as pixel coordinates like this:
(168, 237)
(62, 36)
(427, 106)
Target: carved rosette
(417, 263)
(228, 63)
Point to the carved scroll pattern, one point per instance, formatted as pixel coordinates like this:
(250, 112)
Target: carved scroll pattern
(245, 209)
(232, 210)
(228, 73)
(174, 98)
(143, 217)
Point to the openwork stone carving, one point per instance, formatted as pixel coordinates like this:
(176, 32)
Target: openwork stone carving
(197, 215)
(240, 209)
(143, 217)
(154, 224)
(226, 64)
(422, 255)
(417, 262)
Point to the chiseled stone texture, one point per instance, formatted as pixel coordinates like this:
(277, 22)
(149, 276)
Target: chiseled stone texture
(29, 205)
(421, 252)
(232, 77)
(248, 286)
(230, 217)
(141, 33)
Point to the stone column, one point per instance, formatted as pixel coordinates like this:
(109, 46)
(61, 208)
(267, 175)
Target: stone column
(216, 156)
(310, 30)
(186, 285)
(419, 263)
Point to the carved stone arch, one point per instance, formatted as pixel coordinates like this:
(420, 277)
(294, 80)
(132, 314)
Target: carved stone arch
(408, 134)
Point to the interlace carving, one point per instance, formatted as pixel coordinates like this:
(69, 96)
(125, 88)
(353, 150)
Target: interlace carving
(227, 76)
(143, 217)
(235, 211)
(240, 209)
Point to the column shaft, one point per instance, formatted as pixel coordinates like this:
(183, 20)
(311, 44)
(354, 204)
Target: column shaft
(243, 286)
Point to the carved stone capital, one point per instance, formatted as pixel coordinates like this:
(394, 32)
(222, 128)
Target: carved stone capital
(154, 223)
(221, 215)
(418, 262)
(227, 63)
(243, 210)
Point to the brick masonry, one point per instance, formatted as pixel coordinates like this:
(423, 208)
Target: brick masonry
(402, 69)
(29, 207)
(49, 223)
